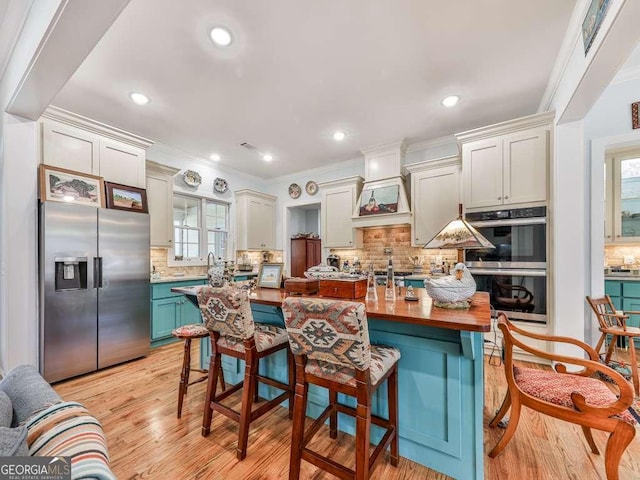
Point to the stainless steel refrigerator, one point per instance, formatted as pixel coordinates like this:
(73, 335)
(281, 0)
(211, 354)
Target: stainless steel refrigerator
(94, 288)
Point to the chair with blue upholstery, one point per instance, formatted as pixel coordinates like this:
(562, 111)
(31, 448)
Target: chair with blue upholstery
(226, 313)
(330, 343)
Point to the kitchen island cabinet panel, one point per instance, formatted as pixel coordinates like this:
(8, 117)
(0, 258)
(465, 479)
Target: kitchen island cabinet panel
(440, 377)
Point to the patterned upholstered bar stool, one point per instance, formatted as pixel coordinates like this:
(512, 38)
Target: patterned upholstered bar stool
(187, 333)
(227, 315)
(330, 342)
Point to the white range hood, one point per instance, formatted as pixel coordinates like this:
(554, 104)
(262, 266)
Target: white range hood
(383, 201)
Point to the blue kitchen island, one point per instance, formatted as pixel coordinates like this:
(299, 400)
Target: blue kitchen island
(440, 376)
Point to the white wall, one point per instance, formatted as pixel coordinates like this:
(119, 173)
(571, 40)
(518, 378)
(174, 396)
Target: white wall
(18, 197)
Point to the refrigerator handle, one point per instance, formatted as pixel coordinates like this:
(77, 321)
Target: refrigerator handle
(97, 272)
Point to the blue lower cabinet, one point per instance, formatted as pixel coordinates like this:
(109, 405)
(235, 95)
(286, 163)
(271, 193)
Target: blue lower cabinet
(440, 391)
(170, 310)
(414, 283)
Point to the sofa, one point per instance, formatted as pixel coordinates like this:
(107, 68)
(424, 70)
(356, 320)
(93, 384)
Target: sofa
(36, 421)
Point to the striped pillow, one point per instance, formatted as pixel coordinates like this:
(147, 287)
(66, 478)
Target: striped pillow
(67, 429)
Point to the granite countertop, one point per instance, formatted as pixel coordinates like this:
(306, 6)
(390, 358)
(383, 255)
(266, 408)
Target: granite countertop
(202, 276)
(626, 278)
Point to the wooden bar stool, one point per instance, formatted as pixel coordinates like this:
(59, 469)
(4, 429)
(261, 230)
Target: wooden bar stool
(188, 333)
(330, 342)
(227, 315)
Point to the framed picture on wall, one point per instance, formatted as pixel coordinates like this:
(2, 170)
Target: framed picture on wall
(62, 185)
(270, 275)
(635, 121)
(592, 21)
(122, 197)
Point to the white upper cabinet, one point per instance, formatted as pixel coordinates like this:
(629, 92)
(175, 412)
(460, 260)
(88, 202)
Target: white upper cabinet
(83, 145)
(338, 201)
(255, 217)
(435, 195)
(507, 163)
(122, 163)
(160, 200)
(622, 195)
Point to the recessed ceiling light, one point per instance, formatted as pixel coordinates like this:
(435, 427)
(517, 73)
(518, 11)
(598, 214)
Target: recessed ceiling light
(450, 101)
(221, 36)
(139, 98)
(215, 157)
(267, 157)
(339, 136)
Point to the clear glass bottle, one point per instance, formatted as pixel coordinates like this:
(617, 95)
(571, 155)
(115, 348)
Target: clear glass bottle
(372, 292)
(389, 291)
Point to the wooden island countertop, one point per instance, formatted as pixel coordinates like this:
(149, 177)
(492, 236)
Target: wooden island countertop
(423, 312)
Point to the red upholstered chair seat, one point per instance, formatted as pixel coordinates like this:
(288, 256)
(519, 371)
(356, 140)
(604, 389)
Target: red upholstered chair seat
(194, 330)
(557, 388)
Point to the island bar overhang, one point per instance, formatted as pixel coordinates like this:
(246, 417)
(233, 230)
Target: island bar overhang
(440, 375)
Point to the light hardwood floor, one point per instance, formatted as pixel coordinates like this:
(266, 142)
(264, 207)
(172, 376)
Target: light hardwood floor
(136, 403)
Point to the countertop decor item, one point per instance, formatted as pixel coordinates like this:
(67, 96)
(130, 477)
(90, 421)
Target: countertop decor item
(294, 190)
(452, 291)
(192, 178)
(311, 187)
(459, 234)
(220, 185)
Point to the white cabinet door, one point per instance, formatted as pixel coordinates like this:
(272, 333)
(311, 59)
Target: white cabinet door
(121, 163)
(260, 227)
(525, 166)
(337, 226)
(482, 171)
(255, 220)
(435, 201)
(69, 148)
(160, 199)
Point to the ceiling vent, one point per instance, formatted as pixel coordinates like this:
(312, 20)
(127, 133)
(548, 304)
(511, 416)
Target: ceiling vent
(248, 146)
(383, 201)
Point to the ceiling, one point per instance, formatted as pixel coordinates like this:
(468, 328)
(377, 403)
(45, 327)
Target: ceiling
(297, 71)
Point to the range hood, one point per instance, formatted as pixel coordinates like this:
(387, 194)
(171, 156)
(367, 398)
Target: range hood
(383, 201)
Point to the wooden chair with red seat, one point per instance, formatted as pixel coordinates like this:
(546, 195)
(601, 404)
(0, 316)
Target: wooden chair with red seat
(576, 397)
(227, 315)
(615, 324)
(330, 342)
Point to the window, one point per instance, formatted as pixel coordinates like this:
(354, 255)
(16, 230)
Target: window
(200, 226)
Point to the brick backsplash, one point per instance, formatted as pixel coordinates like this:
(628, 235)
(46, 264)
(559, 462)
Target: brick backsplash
(614, 254)
(375, 240)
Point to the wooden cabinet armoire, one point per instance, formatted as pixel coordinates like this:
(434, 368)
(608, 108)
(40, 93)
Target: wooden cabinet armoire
(305, 253)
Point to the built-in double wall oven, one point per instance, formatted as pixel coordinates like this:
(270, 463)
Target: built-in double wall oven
(514, 272)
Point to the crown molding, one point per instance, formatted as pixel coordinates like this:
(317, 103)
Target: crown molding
(385, 148)
(254, 193)
(79, 121)
(155, 167)
(449, 161)
(627, 75)
(356, 179)
(433, 143)
(531, 121)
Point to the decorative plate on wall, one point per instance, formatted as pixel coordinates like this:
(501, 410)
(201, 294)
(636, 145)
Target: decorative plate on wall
(220, 185)
(311, 187)
(294, 190)
(192, 178)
